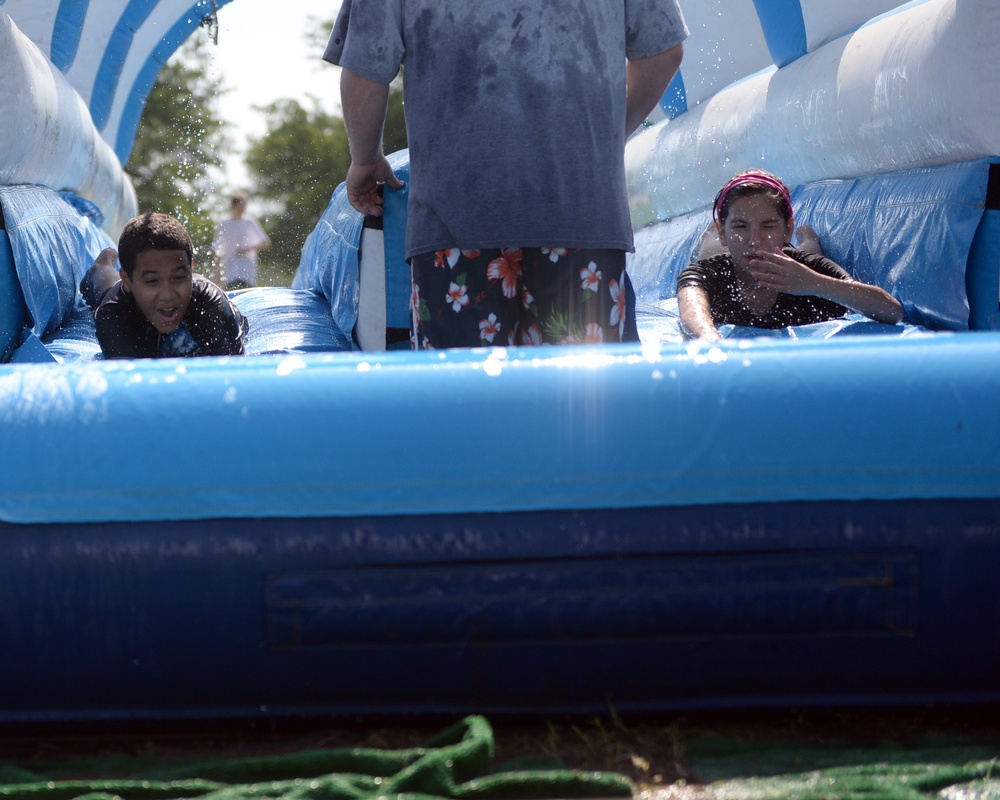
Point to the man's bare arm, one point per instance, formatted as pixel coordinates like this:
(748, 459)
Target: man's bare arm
(364, 104)
(646, 79)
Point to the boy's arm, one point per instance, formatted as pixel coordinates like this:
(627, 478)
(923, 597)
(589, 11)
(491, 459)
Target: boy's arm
(221, 325)
(114, 334)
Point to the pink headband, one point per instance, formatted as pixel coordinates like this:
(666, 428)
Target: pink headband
(762, 178)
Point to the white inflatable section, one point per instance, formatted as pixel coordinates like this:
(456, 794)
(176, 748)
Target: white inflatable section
(34, 19)
(105, 50)
(37, 19)
(712, 60)
(96, 29)
(912, 88)
(730, 39)
(370, 327)
(145, 40)
(48, 138)
(828, 20)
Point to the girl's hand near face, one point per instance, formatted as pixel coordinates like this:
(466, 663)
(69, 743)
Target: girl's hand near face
(778, 271)
(784, 274)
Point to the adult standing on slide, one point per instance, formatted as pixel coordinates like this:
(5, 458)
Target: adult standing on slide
(517, 115)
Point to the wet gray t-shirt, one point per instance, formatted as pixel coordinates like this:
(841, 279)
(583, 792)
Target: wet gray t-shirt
(515, 112)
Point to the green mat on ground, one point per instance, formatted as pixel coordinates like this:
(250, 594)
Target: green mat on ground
(456, 763)
(931, 767)
(720, 764)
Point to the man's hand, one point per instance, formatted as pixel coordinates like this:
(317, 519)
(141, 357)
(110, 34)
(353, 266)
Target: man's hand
(363, 181)
(364, 104)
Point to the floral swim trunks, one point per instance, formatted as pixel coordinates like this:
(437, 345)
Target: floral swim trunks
(521, 296)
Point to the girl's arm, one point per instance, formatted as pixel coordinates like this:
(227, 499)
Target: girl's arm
(872, 301)
(778, 271)
(696, 314)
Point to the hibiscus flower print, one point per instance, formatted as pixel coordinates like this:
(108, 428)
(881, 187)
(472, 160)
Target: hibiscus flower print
(457, 296)
(593, 334)
(617, 306)
(451, 256)
(554, 253)
(508, 269)
(488, 328)
(532, 337)
(590, 278)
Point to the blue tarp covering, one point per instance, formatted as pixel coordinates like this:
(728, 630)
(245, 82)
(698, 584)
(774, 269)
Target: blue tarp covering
(12, 310)
(288, 321)
(329, 262)
(909, 234)
(54, 241)
(76, 339)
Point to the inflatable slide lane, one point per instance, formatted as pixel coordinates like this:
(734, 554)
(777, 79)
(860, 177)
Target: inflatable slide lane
(336, 524)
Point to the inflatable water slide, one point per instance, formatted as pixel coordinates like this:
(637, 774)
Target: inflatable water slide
(335, 524)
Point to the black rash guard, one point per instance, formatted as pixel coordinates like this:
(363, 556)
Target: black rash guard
(716, 276)
(212, 326)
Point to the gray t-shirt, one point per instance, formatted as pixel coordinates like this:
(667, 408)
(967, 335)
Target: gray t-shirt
(515, 112)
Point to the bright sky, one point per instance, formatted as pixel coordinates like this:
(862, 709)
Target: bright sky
(263, 55)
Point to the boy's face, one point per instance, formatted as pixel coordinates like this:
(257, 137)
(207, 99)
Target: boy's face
(161, 285)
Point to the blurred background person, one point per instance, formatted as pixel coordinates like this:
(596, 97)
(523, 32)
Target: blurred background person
(237, 241)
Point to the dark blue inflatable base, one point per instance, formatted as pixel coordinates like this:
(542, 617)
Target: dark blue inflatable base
(650, 609)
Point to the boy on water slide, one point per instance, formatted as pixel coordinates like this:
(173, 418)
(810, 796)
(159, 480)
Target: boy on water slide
(156, 306)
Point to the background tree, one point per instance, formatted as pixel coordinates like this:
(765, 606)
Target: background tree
(296, 166)
(300, 160)
(292, 167)
(181, 144)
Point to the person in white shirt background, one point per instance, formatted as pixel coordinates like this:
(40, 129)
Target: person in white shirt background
(237, 241)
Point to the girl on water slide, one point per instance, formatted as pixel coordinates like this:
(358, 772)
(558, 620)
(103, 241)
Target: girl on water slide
(756, 278)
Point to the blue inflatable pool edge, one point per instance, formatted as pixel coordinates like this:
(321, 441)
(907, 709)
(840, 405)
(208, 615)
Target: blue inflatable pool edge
(344, 434)
(637, 542)
(808, 517)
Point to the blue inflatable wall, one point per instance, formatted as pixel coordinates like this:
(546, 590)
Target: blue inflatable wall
(810, 517)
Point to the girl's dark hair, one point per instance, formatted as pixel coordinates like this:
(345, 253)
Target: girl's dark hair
(152, 231)
(750, 184)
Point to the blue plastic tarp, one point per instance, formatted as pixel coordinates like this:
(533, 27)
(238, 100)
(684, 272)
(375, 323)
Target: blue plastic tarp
(54, 239)
(330, 257)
